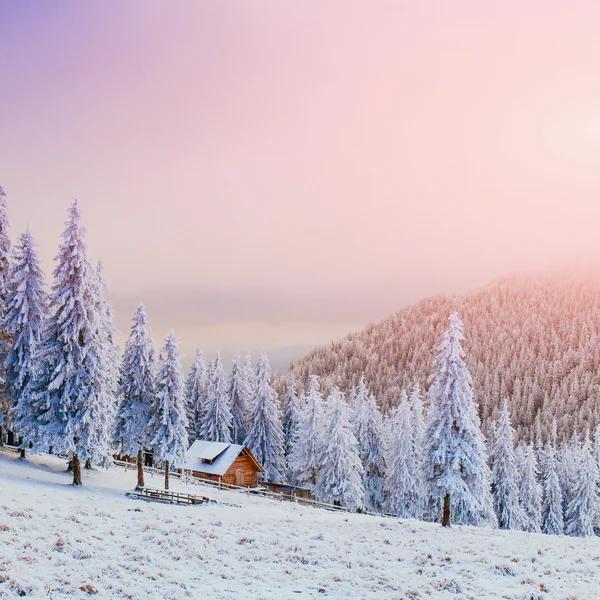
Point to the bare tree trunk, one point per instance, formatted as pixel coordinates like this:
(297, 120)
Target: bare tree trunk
(140, 469)
(88, 463)
(22, 451)
(76, 470)
(446, 511)
(166, 474)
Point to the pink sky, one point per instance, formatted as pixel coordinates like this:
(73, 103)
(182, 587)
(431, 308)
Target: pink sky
(274, 174)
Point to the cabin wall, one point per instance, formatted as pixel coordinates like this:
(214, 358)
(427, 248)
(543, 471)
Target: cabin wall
(250, 474)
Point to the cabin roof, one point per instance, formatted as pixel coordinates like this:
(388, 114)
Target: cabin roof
(215, 458)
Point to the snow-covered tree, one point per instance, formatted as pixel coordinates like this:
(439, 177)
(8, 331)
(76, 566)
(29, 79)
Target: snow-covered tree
(305, 457)
(418, 435)
(108, 357)
(456, 467)
(249, 375)
(195, 394)
(583, 511)
(69, 376)
(552, 512)
(217, 414)
(404, 490)
(291, 414)
(4, 290)
(530, 490)
(505, 474)
(240, 399)
(339, 481)
(359, 399)
(136, 391)
(26, 311)
(167, 430)
(369, 434)
(597, 445)
(265, 433)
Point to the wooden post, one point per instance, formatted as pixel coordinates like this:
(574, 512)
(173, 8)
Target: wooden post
(76, 470)
(166, 474)
(140, 470)
(22, 451)
(446, 511)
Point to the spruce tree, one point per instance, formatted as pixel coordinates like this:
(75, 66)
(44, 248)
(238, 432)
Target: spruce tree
(195, 394)
(4, 291)
(26, 311)
(217, 414)
(583, 511)
(552, 511)
(339, 481)
(456, 467)
(291, 414)
(167, 430)
(265, 433)
(69, 374)
(505, 474)
(403, 483)
(305, 457)
(418, 435)
(240, 398)
(530, 489)
(136, 392)
(369, 434)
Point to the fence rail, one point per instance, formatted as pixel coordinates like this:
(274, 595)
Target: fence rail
(167, 496)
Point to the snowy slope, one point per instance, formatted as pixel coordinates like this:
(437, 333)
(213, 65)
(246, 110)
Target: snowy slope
(60, 542)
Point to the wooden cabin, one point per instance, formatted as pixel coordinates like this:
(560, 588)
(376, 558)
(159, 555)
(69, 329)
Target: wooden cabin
(226, 463)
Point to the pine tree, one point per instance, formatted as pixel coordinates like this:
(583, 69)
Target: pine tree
(304, 461)
(597, 445)
(455, 449)
(552, 512)
(106, 386)
(583, 511)
(418, 435)
(69, 374)
(5, 340)
(530, 490)
(404, 494)
(369, 434)
(136, 391)
(265, 433)
(239, 400)
(217, 414)
(359, 400)
(167, 430)
(249, 376)
(340, 479)
(291, 414)
(195, 394)
(505, 475)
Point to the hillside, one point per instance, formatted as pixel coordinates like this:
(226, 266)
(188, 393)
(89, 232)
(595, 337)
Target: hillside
(534, 341)
(57, 541)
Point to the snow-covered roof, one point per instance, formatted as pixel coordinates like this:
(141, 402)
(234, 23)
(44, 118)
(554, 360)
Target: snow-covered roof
(220, 455)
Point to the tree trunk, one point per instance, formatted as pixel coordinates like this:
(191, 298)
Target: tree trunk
(76, 470)
(88, 463)
(166, 474)
(140, 469)
(1, 436)
(22, 451)
(446, 511)
(70, 465)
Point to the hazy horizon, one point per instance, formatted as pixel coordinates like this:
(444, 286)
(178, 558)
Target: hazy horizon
(275, 176)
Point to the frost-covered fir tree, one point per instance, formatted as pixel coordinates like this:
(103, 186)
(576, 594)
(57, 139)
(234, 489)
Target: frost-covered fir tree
(167, 430)
(597, 445)
(69, 376)
(530, 490)
(26, 311)
(552, 512)
(583, 511)
(418, 433)
(359, 399)
(456, 467)
(249, 375)
(217, 415)
(136, 392)
(4, 337)
(265, 433)
(291, 414)
(195, 394)
(369, 434)
(240, 399)
(339, 481)
(106, 385)
(305, 457)
(404, 490)
(505, 474)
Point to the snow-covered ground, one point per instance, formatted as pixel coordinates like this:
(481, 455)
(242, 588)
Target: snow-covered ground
(57, 541)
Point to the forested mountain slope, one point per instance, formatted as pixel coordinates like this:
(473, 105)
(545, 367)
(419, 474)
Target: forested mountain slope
(532, 340)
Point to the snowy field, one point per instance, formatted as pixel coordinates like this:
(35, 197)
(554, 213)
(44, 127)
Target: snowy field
(60, 542)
